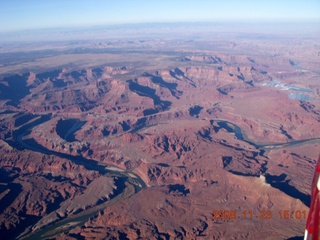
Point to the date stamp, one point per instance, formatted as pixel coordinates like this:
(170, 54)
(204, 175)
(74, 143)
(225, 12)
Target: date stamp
(261, 214)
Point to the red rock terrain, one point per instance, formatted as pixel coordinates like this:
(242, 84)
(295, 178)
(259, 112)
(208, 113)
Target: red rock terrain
(211, 132)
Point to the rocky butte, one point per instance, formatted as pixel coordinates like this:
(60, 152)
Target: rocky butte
(173, 137)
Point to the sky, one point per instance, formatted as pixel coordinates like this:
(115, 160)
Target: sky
(36, 14)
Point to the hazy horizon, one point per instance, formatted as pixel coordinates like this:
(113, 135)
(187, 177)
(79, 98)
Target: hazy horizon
(165, 30)
(20, 15)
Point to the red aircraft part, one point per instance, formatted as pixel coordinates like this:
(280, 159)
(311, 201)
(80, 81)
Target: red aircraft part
(312, 231)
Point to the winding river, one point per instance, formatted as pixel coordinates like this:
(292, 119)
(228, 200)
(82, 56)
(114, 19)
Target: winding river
(128, 183)
(233, 128)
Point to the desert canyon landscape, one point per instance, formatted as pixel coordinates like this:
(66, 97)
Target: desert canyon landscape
(158, 132)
